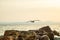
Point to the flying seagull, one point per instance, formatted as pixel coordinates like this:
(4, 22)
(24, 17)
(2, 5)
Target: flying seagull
(32, 21)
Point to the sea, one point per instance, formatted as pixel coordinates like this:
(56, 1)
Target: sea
(27, 26)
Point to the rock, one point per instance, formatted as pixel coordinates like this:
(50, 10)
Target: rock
(11, 32)
(48, 31)
(27, 35)
(8, 38)
(1, 37)
(56, 33)
(44, 33)
(45, 37)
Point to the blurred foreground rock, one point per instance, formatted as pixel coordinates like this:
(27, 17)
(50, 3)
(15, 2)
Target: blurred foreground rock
(44, 33)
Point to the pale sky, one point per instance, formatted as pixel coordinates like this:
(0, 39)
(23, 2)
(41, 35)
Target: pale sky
(23, 10)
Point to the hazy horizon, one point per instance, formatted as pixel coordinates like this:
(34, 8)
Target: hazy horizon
(24, 10)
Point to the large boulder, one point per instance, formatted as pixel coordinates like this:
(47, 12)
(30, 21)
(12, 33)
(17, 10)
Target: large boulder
(11, 33)
(40, 34)
(27, 35)
(47, 30)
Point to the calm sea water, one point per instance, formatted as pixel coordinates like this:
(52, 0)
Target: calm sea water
(26, 27)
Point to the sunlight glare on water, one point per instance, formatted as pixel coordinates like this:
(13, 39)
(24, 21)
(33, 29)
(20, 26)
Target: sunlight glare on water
(26, 27)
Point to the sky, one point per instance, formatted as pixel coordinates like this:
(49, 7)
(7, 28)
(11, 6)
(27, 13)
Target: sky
(23, 10)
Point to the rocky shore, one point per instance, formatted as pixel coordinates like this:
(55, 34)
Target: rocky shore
(44, 33)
